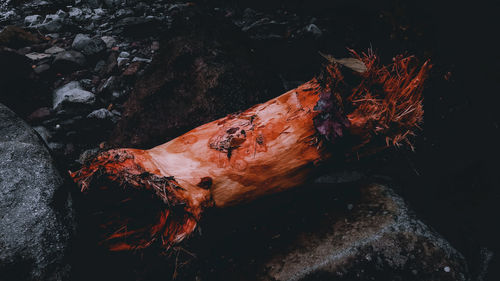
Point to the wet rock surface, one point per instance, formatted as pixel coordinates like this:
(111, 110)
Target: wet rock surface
(36, 210)
(378, 239)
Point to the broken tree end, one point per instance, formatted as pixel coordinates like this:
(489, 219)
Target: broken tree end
(133, 206)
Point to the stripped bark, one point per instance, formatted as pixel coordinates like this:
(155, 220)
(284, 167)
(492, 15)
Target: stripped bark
(268, 148)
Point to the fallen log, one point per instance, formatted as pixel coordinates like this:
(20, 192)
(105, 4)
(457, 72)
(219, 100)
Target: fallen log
(158, 195)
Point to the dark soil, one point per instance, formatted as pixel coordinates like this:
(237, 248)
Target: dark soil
(204, 71)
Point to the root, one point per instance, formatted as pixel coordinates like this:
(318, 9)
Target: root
(383, 104)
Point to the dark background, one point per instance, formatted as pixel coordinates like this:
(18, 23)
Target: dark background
(452, 179)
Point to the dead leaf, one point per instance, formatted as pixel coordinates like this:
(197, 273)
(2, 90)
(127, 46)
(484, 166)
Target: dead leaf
(351, 63)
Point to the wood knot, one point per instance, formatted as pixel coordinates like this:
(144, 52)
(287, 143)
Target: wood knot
(205, 183)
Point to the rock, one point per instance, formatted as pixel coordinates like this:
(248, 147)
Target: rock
(379, 239)
(61, 14)
(86, 84)
(52, 23)
(53, 35)
(71, 94)
(69, 61)
(75, 13)
(102, 114)
(111, 84)
(37, 56)
(88, 46)
(322, 232)
(37, 217)
(32, 20)
(122, 61)
(99, 12)
(54, 50)
(135, 59)
(109, 41)
(16, 37)
(124, 55)
(80, 41)
(265, 29)
(314, 30)
(43, 133)
(124, 13)
(25, 50)
(99, 66)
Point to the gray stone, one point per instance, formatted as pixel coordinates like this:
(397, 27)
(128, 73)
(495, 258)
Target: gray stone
(33, 20)
(53, 26)
(69, 61)
(51, 23)
(41, 68)
(80, 41)
(101, 114)
(124, 13)
(36, 218)
(43, 133)
(88, 46)
(141, 60)
(53, 35)
(61, 14)
(99, 66)
(54, 50)
(377, 239)
(37, 56)
(124, 55)
(75, 13)
(99, 12)
(109, 41)
(314, 30)
(122, 61)
(111, 84)
(71, 94)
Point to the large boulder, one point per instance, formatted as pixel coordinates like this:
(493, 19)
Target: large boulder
(327, 231)
(379, 239)
(36, 218)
